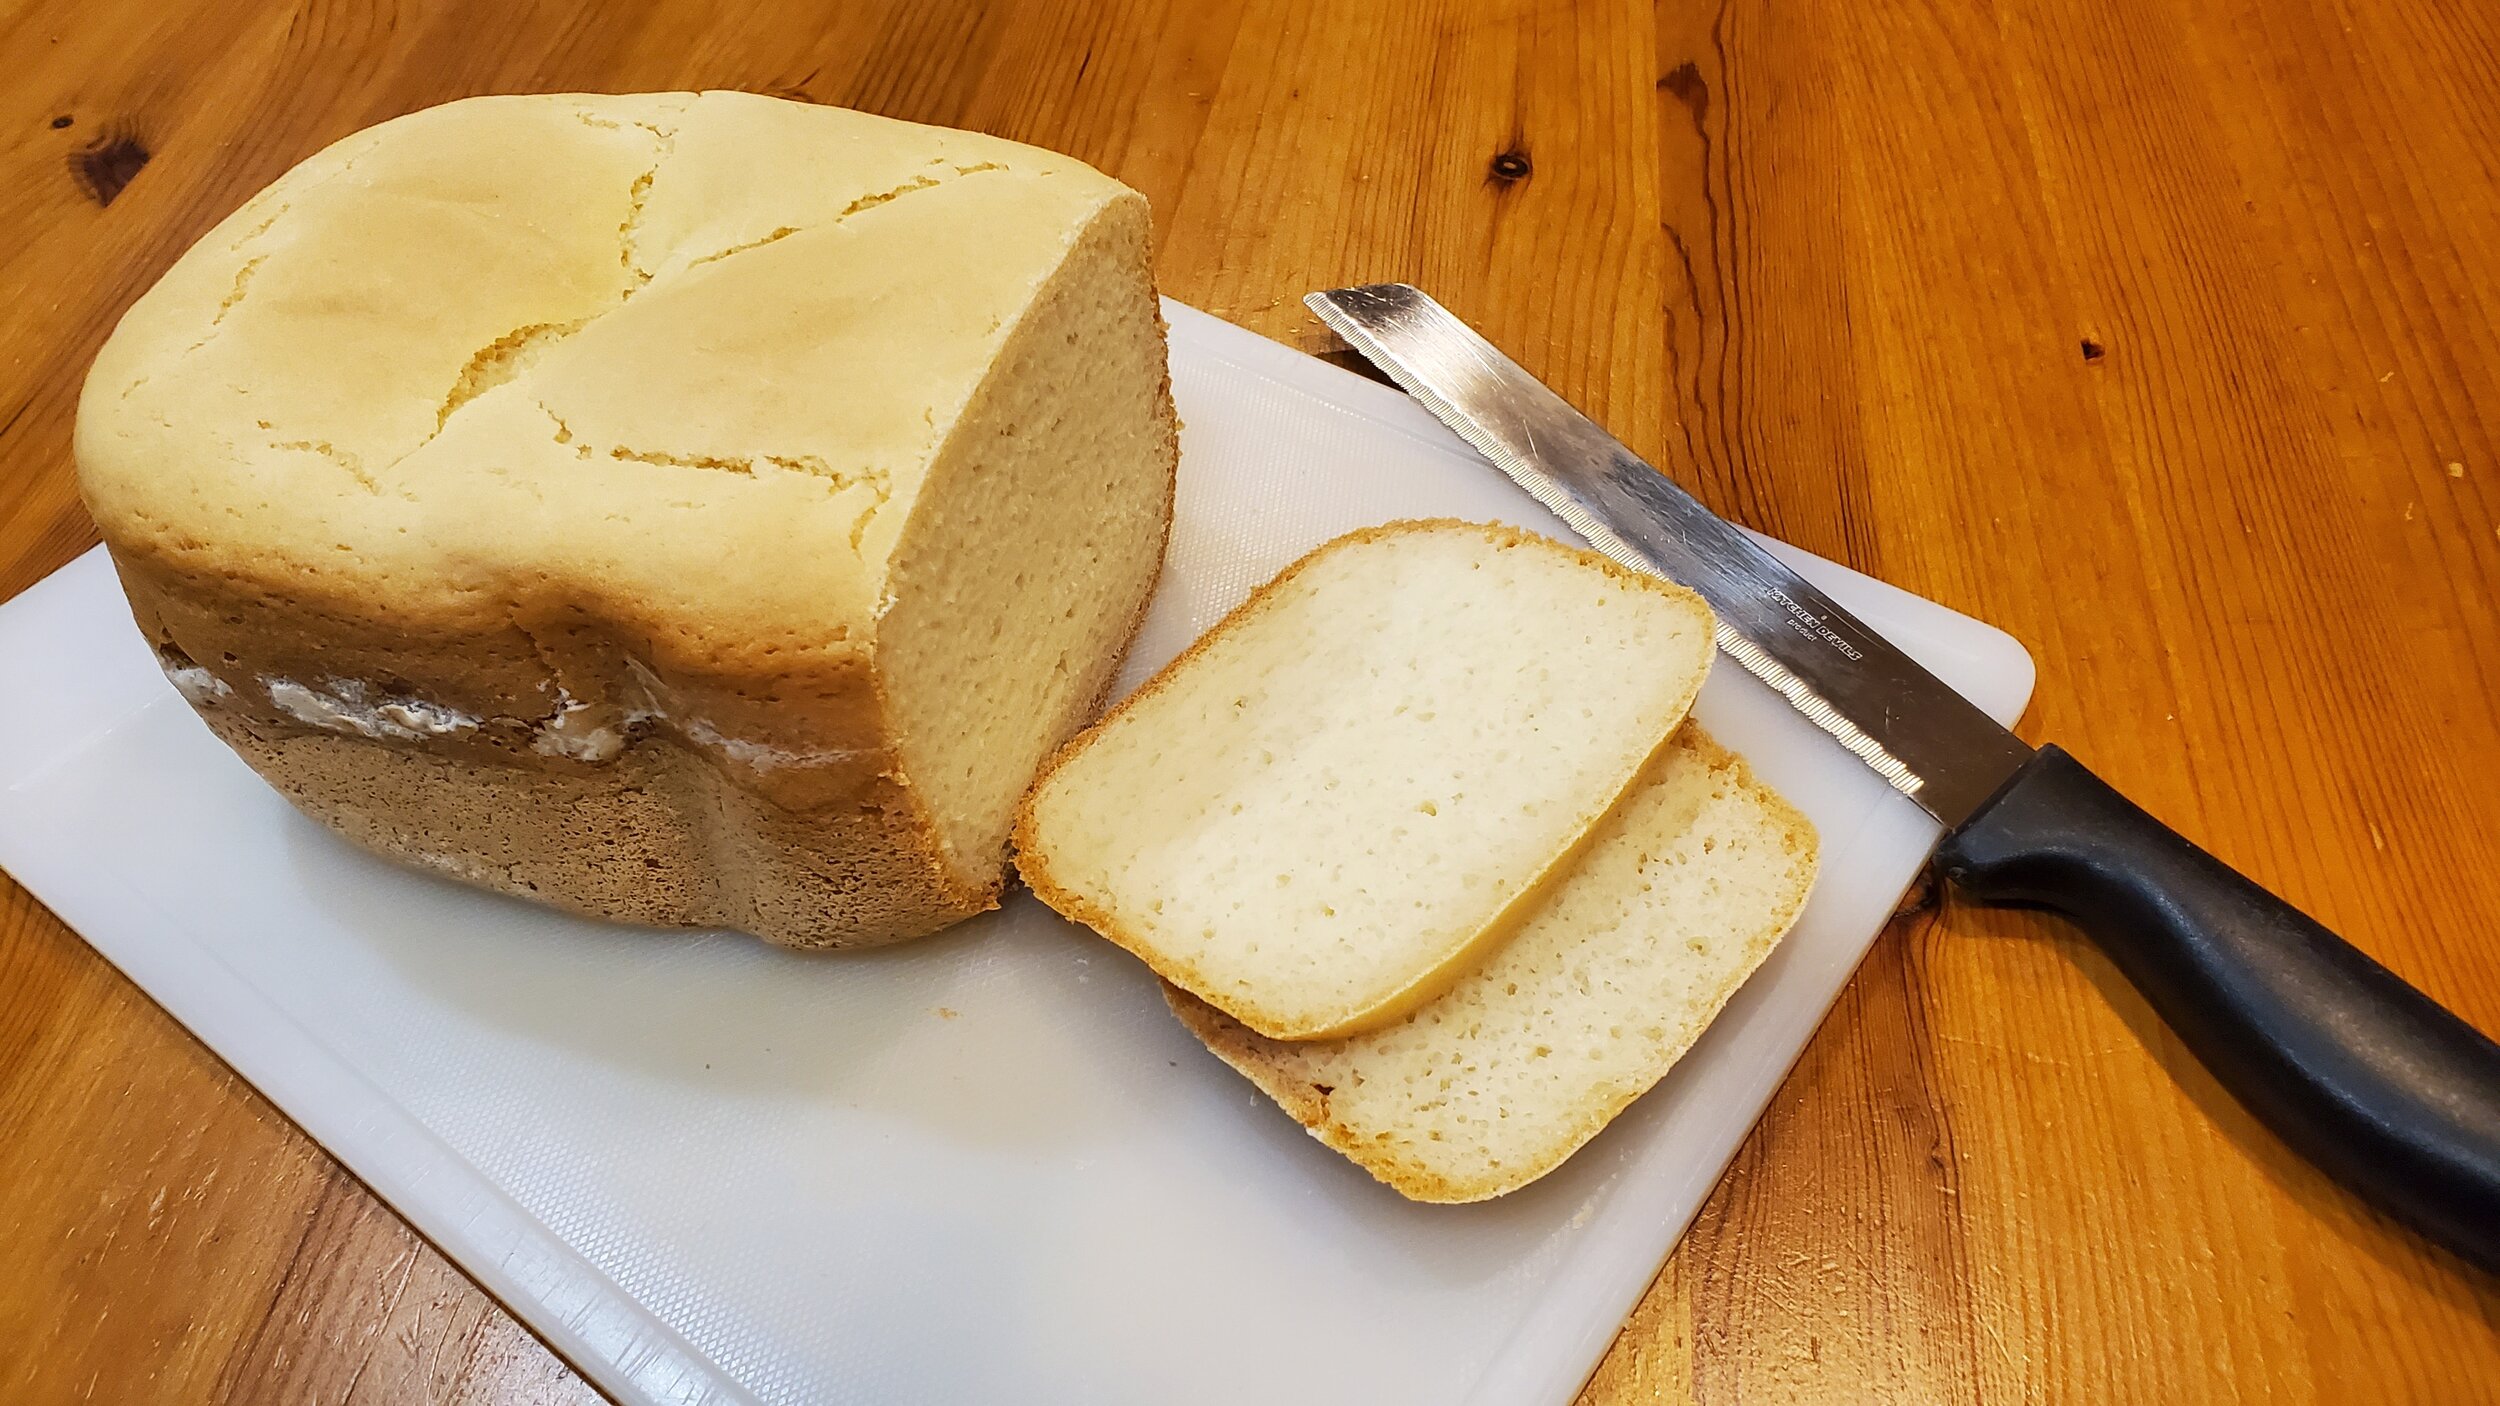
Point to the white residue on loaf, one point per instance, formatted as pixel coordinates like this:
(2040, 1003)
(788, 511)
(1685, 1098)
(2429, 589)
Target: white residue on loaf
(562, 737)
(429, 719)
(761, 756)
(570, 735)
(598, 744)
(342, 705)
(702, 732)
(196, 684)
(573, 734)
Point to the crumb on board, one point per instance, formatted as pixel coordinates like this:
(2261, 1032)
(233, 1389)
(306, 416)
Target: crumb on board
(946, 1012)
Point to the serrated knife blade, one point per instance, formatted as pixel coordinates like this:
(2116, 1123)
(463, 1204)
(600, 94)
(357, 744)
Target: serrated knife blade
(1928, 741)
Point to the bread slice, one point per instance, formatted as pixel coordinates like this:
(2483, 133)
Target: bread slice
(689, 509)
(1319, 815)
(1613, 977)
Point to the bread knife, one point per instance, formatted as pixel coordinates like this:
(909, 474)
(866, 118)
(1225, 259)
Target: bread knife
(2366, 1077)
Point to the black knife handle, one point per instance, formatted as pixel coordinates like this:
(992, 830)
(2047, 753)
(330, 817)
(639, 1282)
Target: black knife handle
(2366, 1077)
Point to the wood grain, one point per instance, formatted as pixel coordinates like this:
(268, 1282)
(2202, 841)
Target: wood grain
(2162, 333)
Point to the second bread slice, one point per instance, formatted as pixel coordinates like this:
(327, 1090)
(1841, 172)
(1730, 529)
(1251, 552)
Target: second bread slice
(1678, 899)
(1322, 813)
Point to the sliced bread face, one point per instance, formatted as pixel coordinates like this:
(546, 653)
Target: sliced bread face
(1624, 961)
(1328, 808)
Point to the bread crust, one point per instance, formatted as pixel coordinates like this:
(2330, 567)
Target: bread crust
(1033, 863)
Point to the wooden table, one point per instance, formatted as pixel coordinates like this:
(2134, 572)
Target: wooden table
(2165, 334)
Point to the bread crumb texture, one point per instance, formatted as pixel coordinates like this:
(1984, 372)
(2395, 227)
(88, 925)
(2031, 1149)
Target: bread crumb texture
(687, 472)
(1321, 814)
(1606, 984)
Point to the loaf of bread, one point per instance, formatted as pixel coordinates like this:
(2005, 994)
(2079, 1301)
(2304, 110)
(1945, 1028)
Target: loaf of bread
(686, 509)
(1605, 985)
(1330, 806)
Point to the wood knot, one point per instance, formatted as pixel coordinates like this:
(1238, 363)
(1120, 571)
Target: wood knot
(106, 166)
(1685, 83)
(2092, 350)
(62, 121)
(1510, 167)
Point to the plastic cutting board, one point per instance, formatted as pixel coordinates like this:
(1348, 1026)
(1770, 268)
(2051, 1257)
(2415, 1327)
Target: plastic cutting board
(984, 1167)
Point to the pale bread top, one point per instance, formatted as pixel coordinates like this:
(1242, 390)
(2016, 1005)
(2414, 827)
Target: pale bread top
(1604, 987)
(1319, 815)
(638, 353)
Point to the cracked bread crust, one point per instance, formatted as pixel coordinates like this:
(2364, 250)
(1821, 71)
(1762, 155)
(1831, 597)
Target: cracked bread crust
(522, 478)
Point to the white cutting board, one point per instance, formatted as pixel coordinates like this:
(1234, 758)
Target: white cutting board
(984, 1167)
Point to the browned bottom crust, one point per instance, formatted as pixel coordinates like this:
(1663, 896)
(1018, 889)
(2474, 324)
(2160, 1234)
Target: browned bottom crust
(656, 837)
